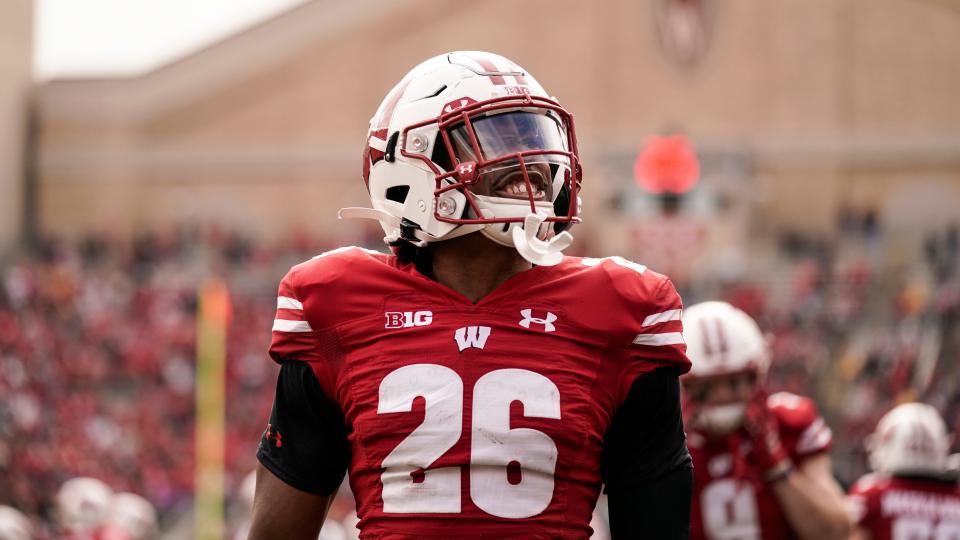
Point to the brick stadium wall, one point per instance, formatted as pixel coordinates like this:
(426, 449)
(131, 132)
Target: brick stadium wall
(826, 102)
(16, 79)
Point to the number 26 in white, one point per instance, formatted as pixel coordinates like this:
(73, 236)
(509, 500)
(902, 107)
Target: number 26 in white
(493, 444)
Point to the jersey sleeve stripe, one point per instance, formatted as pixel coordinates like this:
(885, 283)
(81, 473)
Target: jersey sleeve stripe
(657, 318)
(285, 302)
(658, 340)
(283, 325)
(816, 437)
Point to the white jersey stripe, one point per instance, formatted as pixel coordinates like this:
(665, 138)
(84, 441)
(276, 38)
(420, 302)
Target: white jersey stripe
(657, 340)
(815, 437)
(285, 302)
(283, 325)
(666, 316)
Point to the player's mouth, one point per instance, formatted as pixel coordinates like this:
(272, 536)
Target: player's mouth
(512, 186)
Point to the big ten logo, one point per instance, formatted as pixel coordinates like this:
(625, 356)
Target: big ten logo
(408, 319)
(517, 90)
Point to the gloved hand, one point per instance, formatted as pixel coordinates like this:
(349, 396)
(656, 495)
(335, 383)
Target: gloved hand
(763, 431)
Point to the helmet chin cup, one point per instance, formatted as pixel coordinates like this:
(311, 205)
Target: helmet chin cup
(721, 419)
(540, 252)
(533, 238)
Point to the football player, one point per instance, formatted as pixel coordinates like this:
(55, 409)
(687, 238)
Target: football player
(760, 462)
(476, 382)
(82, 505)
(14, 525)
(911, 494)
(133, 516)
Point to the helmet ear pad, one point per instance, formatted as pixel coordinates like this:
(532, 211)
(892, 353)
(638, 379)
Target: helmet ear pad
(417, 205)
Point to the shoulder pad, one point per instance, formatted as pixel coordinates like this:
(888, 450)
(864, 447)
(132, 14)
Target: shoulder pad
(869, 483)
(792, 410)
(333, 265)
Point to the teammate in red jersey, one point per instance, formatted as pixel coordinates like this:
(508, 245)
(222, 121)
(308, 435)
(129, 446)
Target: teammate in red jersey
(476, 383)
(761, 467)
(911, 494)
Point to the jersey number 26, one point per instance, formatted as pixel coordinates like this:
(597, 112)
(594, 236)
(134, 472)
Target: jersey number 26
(494, 446)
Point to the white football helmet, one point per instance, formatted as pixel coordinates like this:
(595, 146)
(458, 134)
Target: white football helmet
(722, 340)
(134, 515)
(14, 525)
(911, 438)
(82, 504)
(467, 122)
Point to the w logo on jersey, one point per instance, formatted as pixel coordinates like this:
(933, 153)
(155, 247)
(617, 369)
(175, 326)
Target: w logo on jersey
(547, 321)
(472, 336)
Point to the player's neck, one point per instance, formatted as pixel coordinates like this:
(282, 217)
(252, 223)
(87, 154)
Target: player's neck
(474, 266)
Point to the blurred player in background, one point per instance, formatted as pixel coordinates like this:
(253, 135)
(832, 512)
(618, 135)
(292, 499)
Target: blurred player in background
(476, 383)
(14, 525)
(88, 509)
(133, 517)
(911, 494)
(761, 463)
(82, 506)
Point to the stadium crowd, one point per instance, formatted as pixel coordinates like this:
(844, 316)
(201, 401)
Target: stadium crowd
(97, 348)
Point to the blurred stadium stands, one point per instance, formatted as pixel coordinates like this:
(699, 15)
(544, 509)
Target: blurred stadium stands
(97, 342)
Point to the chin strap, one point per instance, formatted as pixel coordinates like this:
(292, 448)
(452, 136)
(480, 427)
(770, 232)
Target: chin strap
(539, 252)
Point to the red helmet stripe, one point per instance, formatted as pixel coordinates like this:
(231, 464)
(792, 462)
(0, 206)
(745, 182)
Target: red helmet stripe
(488, 65)
(721, 340)
(705, 332)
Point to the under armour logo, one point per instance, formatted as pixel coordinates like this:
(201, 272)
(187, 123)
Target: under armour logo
(472, 336)
(458, 104)
(465, 168)
(273, 435)
(547, 322)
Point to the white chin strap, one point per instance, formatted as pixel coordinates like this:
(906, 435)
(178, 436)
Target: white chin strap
(540, 252)
(721, 419)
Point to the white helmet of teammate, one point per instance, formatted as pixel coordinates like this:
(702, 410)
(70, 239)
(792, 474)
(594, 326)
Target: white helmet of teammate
(911, 438)
(82, 504)
(14, 525)
(461, 120)
(134, 515)
(953, 463)
(722, 340)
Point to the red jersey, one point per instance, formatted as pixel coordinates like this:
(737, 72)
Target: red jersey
(728, 505)
(476, 420)
(898, 508)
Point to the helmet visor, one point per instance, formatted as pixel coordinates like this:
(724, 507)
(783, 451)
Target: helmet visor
(502, 142)
(509, 133)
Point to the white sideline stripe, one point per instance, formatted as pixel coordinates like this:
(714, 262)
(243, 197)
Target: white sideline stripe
(283, 325)
(285, 302)
(667, 338)
(656, 318)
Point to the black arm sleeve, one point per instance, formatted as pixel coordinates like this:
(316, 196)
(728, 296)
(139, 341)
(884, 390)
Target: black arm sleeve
(305, 443)
(646, 466)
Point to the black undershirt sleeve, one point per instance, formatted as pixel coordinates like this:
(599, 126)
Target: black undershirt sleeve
(646, 467)
(305, 443)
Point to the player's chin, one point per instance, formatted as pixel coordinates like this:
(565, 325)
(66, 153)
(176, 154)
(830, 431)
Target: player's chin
(721, 419)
